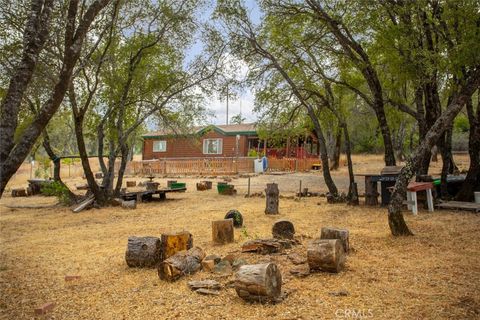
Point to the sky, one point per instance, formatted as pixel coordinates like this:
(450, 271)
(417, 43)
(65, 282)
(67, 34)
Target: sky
(244, 101)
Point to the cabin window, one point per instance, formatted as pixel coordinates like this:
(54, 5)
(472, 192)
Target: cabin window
(212, 146)
(159, 146)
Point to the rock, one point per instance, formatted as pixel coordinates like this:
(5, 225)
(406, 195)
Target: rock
(300, 271)
(237, 263)
(223, 267)
(204, 284)
(230, 258)
(208, 265)
(216, 258)
(297, 259)
(236, 216)
(283, 229)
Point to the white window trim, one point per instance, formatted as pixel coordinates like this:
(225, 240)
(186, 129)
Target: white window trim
(160, 143)
(220, 143)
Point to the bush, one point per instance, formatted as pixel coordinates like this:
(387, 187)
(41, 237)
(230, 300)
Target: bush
(56, 189)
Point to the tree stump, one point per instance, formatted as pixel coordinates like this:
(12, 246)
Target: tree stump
(283, 229)
(180, 264)
(259, 282)
(202, 186)
(143, 252)
(175, 242)
(222, 231)
(272, 193)
(131, 184)
(371, 192)
(236, 216)
(326, 255)
(20, 192)
(335, 233)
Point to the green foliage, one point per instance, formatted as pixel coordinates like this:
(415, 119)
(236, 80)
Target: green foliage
(43, 170)
(56, 189)
(461, 124)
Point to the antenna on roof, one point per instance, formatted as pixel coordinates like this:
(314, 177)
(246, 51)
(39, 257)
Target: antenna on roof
(227, 104)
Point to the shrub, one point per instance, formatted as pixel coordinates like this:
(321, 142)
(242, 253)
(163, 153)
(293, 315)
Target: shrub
(56, 189)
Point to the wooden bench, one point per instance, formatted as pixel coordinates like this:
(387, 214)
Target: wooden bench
(412, 189)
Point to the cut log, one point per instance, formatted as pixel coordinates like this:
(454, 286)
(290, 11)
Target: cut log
(222, 231)
(180, 264)
(143, 252)
(326, 255)
(202, 186)
(152, 186)
(272, 193)
(236, 216)
(84, 204)
(19, 192)
(204, 284)
(259, 282)
(132, 204)
(131, 184)
(175, 242)
(335, 233)
(283, 229)
(263, 246)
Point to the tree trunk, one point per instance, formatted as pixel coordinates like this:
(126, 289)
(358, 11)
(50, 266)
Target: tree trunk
(335, 233)
(326, 255)
(143, 252)
(73, 44)
(34, 37)
(472, 180)
(181, 263)
(272, 194)
(222, 231)
(283, 229)
(396, 222)
(259, 282)
(175, 242)
(352, 193)
(336, 152)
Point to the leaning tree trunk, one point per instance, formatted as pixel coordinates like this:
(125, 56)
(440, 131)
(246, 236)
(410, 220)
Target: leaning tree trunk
(472, 180)
(259, 282)
(396, 222)
(352, 192)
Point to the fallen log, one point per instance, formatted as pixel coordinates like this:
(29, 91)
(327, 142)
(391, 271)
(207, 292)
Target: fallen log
(283, 229)
(84, 204)
(204, 284)
(326, 255)
(335, 233)
(259, 282)
(175, 242)
(222, 231)
(180, 264)
(143, 252)
(265, 246)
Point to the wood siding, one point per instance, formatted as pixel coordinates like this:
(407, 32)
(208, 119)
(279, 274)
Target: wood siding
(186, 147)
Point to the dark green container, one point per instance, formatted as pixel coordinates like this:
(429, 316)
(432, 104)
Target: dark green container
(177, 185)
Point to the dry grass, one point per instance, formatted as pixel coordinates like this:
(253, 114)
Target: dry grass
(433, 275)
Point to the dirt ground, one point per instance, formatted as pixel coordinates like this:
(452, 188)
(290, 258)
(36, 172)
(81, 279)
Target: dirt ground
(433, 275)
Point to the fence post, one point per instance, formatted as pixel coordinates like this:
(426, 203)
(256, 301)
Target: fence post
(300, 190)
(248, 192)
